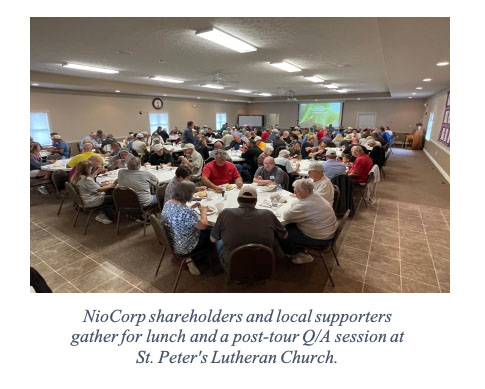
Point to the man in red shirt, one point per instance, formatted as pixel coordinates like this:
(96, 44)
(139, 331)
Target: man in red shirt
(265, 135)
(321, 134)
(219, 172)
(361, 167)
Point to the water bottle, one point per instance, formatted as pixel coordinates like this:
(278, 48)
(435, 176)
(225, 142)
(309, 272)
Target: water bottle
(279, 189)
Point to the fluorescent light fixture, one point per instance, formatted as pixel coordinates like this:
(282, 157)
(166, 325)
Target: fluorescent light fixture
(117, 91)
(165, 79)
(288, 67)
(213, 86)
(409, 97)
(264, 94)
(427, 79)
(198, 97)
(314, 79)
(442, 63)
(35, 84)
(419, 87)
(89, 68)
(226, 40)
(243, 91)
(413, 93)
(342, 91)
(331, 86)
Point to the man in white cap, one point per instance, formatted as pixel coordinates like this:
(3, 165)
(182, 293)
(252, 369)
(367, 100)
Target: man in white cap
(321, 184)
(332, 167)
(231, 228)
(193, 160)
(160, 156)
(59, 146)
(92, 139)
(260, 143)
(139, 145)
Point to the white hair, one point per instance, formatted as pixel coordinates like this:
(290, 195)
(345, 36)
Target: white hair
(304, 185)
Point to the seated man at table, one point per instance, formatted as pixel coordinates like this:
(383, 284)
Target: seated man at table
(220, 172)
(331, 166)
(95, 160)
(160, 156)
(322, 185)
(114, 149)
(91, 138)
(193, 160)
(141, 181)
(259, 143)
(59, 147)
(139, 145)
(231, 228)
(120, 160)
(269, 173)
(87, 151)
(183, 173)
(237, 143)
(250, 153)
(227, 138)
(359, 170)
(310, 222)
(219, 146)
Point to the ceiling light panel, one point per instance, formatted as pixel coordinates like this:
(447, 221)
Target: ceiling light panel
(264, 94)
(288, 67)
(331, 86)
(226, 40)
(315, 79)
(427, 79)
(342, 91)
(213, 86)
(242, 91)
(442, 63)
(165, 79)
(89, 68)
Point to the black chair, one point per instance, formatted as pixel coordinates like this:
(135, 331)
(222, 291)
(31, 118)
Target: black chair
(126, 200)
(363, 187)
(276, 152)
(346, 199)
(321, 251)
(384, 164)
(210, 159)
(76, 199)
(251, 263)
(59, 180)
(161, 195)
(282, 167)
(336, 197)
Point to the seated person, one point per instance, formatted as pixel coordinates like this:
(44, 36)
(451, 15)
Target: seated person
(376, 152)
(202, 148)
(331, 166)
(310, 221)
(219, 146)
(283, 159)
(227, 138)
(120, 161)
(321, 184)
(141, 181)
(220, 172)
(91, 193)
(87, 151)
(160, 156)
(236, 143)
(267, 152)
(186, 229)
(59, 147)
(110, 139)
(307, 147)
(260, 143)
(193, 160)
(251, 153)
(318, 153)
(295, 150)
(269, 173)
(35, 166)
(231, 229)
(183, 173)
(359, 170)
(95, 165)
(347, 160)
(139, 145)
(91, 138)
(114, 149)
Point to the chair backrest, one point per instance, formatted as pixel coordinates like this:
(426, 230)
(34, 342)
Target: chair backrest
(74, 146)
(161, 233)
(251, 262)
(161, 195)
(276, 152)
(336, 196)
(74, 195)
(126, 199)
(341, 226)
(286, 181)
(282, 167)
(59, 179)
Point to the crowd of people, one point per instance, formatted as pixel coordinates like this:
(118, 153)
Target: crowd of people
(271, 157)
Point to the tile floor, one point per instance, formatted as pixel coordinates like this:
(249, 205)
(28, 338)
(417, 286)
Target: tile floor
(395, 247)
(69, 267)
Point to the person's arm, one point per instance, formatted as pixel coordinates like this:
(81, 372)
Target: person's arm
(203, 222)
(209, 184)
(185, 161)
(239, 182)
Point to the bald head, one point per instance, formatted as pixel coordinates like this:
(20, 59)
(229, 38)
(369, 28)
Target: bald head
(268, 163)
(356, 151)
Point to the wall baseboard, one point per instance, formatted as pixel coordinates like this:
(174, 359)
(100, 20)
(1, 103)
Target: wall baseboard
(440, 169)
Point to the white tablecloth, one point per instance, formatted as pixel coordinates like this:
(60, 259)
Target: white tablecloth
(60, 164)
(163, 175)
(235, 155)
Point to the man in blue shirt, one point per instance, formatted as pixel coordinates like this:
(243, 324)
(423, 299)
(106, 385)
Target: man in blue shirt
(385, 135)
(92, 138)
(59, 147)
(331, 167)
(188, 135)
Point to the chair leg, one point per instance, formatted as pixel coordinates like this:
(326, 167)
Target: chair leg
(382, 172)
(118, 224)
(145, 224)
(161, 259)
(77, 215)
(328, 271)
(87, 222)
(178, 275)
(335, 256)
(60, 206)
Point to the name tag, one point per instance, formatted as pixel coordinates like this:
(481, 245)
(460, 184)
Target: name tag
(271, 177)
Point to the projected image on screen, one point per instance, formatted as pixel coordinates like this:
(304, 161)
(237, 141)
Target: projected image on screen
(320, 114)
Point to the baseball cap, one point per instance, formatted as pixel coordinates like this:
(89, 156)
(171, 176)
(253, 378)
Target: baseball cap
(348, 137)
(189, 146)
(248, 192)
(316, 167)
(257, 138)
(157, 147)
(140, 135)
(57, 137)
(331, 153)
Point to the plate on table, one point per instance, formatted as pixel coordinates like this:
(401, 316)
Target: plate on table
(210, 210)
(201, 195)
(228, 186)
(267, 188)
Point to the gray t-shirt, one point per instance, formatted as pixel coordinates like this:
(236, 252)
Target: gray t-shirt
(196, 159)
(140, 181)
(235, 227)
(276, 174)
(88, 190)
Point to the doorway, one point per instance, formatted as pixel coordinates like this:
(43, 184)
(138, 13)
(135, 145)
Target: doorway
(366, 120)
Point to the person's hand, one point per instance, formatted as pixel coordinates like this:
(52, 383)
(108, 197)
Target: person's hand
(147, 164)
(200, 188)
(183, 159)
(115, 182)
(203, 209)
(51, 161)
(195, 205)
(260, 177)
(297, 166)
(102, 170)
(239, 184)
(218, 189)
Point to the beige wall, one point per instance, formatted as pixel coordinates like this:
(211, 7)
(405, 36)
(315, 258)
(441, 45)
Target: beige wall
(75, 114)
(399, 114)
(436, 151)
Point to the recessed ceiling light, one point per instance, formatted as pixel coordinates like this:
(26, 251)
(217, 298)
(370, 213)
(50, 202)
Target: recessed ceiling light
(342, 91)
(264, 94)
(89, 68)
(331, 86)
(165, 94)
(409, 97)
(413, 93)
(288, 67)
(198, 97)
(314, 79)
(358, 98)
(226, 40)
(165, 79)
(315, 100)
(419, 87)
(426, 79)
(161, 60)
(117, 91)
(442, 63)
(213, 86)
(242, 91)
(35, 84)
(225, 99)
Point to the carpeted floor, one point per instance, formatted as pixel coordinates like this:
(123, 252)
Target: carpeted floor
(393, 246)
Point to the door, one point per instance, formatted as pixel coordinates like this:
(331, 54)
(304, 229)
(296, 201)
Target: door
(366, 120)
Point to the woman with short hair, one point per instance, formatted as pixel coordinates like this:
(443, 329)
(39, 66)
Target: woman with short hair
(268, 151)
(186, 229)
